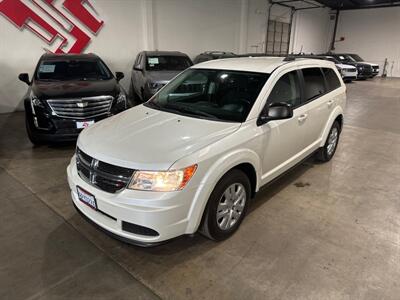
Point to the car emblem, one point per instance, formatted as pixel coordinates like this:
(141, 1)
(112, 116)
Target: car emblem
(82, 104)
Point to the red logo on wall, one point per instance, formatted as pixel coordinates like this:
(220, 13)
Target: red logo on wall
(48, 20)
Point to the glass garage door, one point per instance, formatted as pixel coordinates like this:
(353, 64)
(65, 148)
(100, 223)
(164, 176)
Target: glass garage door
(278, 38)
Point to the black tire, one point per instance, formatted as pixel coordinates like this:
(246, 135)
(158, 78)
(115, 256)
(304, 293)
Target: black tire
(31, 130)
(210, 226)
(324, 154)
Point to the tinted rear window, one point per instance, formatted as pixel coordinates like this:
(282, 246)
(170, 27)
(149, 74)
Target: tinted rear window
(332, 80)
(314, 83)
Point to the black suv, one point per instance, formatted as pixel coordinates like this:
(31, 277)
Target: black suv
(364, 70)
(68, 93)
(211, 55)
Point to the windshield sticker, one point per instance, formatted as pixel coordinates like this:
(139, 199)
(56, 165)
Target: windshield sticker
(341, 57)
(47, 68)
(153, 61)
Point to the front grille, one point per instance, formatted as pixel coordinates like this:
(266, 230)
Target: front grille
(104, 176)
(81, 108)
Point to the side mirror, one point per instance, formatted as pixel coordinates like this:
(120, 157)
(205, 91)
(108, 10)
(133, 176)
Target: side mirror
(276, 111)
(119, 75)
(24, 77)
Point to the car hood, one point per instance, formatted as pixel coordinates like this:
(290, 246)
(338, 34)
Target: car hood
(371, 64)
(161, 76)
(65, 89)
(345, 66)
(149, 139)
(361, 64)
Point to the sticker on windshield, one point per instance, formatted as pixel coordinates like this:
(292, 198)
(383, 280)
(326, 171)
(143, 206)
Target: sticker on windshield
(47, 68)
(153, 61)
(341, 57)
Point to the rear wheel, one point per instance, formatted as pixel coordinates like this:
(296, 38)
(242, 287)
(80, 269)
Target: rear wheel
(226, 206)
(326, 152)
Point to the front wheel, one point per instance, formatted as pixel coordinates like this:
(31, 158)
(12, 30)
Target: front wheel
(326, 152)
(31, 130)
(226, 206)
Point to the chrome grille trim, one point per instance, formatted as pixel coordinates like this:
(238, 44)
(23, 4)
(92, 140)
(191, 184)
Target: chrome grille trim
(81, 108)
(102, 175)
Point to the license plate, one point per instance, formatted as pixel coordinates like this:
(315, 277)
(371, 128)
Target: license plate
(86, 198)
(84, 124)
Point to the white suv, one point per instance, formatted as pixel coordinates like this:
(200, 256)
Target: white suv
(193, 156)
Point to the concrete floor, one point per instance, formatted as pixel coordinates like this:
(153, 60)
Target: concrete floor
(324, 231)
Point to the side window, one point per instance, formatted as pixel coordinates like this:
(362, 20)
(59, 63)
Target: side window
(286, 89)
(314, 83)
(331, 78)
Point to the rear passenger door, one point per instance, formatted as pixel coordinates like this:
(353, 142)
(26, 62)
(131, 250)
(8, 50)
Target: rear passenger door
(318, 102)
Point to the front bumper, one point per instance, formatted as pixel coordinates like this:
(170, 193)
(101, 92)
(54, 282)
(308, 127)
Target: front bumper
(165, 213)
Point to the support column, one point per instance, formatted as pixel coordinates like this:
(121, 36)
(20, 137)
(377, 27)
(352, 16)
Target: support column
(244, 13)
(148, 23)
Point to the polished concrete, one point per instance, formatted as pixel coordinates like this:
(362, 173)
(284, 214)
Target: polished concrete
(324, 231)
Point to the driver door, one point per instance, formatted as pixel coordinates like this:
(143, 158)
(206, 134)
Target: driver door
(283, 141)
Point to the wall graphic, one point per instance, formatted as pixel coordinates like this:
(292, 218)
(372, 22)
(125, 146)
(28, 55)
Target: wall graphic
(51, 20)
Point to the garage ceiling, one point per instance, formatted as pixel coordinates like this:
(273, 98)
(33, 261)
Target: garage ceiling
(358, 4)
(336, 4)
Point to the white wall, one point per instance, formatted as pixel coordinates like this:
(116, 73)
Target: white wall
(190, 26)
(373, 34)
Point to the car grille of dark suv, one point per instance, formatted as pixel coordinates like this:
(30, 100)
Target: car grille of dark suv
(81, 108)
(104, 176)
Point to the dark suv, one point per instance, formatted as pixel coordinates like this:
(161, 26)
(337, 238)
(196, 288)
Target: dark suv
(68, 93)
(364, 70)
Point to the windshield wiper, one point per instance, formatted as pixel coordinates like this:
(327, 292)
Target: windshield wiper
(190, 111)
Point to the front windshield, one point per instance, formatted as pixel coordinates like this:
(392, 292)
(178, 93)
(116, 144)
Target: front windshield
(167, 63)
(356, 57)
(343, 58)
(211, 94)
(349, 58)
(72, 70)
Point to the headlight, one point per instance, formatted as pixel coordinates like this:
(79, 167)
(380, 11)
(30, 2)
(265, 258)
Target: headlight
(121, 98)
(35, 102)
(155, 85)
(162, 181)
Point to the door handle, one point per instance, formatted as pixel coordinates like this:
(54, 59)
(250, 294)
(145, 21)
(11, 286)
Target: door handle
(330, 102)
(302, 118)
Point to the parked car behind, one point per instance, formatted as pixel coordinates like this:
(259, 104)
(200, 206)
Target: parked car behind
(193, 156)
(357, 58)
(68, 93)
(154, 69)
(364, 71)
(211, 55)
(348, 72)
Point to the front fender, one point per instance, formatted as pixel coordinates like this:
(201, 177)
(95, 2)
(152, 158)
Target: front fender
(216, 170)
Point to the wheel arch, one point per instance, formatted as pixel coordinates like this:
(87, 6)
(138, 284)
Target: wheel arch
(336, 115)
(245, 160)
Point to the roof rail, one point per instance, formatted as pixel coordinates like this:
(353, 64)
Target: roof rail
(289, 58)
